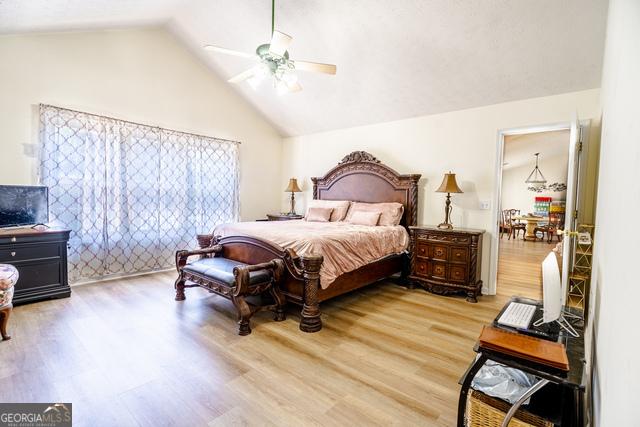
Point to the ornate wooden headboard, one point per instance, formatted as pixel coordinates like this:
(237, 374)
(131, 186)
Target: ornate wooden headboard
(360, 177)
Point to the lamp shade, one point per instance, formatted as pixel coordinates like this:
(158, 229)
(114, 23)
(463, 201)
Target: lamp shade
(293, 186)
(449, 184)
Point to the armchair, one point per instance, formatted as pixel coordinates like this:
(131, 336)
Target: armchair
(8, 278)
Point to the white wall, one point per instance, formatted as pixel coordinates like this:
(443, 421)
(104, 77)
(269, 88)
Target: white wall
(461, 141)
(514, 190)
(139, 75)
(616, 288)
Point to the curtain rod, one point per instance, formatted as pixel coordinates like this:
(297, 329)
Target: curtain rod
(138, 124)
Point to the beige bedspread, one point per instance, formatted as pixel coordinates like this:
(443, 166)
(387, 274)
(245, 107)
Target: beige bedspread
(345, 247)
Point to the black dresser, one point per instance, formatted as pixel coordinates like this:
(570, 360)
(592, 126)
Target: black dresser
(41, 260)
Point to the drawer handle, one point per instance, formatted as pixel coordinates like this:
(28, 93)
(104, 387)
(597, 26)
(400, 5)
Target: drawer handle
(13, 254)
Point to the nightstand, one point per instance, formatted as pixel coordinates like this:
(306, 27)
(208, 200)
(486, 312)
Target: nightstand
(447, 261)
(283, 217)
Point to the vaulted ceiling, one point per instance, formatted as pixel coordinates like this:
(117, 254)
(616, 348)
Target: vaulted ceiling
(396, 59)
(520, 150)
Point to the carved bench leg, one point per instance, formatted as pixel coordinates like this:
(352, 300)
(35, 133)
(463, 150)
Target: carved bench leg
(310, 317)
(180, 296)
(4, 320)
(280, 301)
(244, 314)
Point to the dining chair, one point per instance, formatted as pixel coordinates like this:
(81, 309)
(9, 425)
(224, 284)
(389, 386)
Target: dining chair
(556, 222)
(511, 225)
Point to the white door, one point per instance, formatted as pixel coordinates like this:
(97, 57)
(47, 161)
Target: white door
(573, 174)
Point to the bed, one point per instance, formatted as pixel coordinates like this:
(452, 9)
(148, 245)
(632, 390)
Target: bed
(358, 177)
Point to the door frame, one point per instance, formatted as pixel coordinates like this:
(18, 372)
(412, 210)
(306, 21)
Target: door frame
(497, 193)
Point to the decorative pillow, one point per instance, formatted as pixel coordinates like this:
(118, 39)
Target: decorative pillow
(319, 214)
(365, 218)
(340, 208)
(390, 212)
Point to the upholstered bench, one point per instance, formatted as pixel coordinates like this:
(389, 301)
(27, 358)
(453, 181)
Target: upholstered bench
(8, 279)
(233, 280)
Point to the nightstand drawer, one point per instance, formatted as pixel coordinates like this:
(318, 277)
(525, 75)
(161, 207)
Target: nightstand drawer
(438, 252)
(448, 239)
(458, 254)
(438, 270)
(422, 268)
(457, 273)
(422, 250)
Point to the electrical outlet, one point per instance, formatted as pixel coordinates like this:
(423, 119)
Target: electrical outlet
(485, 205)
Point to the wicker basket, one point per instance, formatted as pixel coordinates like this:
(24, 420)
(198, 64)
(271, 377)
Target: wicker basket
(486, 411)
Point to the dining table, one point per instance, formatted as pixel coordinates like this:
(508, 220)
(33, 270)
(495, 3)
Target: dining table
(531, 222)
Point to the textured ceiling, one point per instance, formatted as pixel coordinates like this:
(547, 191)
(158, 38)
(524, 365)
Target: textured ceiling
(396, 59)
(519, 150)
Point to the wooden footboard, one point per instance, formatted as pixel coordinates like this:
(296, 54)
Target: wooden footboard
(300, 283)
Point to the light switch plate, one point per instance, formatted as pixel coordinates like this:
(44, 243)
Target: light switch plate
(485, 205)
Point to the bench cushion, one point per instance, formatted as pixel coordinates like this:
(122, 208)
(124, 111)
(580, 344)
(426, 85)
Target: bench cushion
(221, 270)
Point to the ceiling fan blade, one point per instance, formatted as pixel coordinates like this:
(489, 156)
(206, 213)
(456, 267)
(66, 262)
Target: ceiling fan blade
(226, 51)
(279, 43)
(238, 78)
(315, 67)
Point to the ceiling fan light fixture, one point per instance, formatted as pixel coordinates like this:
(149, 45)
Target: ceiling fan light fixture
(274, 62)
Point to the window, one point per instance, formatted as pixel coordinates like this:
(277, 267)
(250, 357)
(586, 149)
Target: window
(132, 194)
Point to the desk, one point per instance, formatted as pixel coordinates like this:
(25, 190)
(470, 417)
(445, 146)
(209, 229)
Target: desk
(531, 224)
(572, 383)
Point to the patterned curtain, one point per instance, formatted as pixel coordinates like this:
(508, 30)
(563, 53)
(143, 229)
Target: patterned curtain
(132, 194)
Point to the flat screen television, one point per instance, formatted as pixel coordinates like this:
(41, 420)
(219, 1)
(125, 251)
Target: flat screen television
(23, 205)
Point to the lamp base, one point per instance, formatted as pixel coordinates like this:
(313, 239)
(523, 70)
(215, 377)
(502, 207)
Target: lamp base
(445, 226)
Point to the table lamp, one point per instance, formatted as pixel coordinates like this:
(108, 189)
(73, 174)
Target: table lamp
(449, 185)
(293, 188)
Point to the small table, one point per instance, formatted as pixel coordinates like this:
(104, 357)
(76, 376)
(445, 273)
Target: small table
(283, 217)
(532, 223)
(572, 383)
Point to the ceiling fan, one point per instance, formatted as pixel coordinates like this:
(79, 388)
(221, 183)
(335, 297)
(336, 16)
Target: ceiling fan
(273, 60)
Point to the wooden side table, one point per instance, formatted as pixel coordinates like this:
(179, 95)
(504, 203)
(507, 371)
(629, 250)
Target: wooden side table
(283, 217)
(447, 261)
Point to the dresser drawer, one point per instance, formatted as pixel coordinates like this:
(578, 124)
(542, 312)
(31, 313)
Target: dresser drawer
(36, 275)
(422, 250)
(438, 270)
(458, 254)
(449, 239)
(457, 273)
(422, 268)
(438, 252)
(27, 252)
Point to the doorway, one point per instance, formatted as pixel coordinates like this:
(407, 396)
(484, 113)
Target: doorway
(536, 195)
(533, 207)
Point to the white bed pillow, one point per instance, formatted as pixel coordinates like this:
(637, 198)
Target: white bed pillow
(340, 208)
